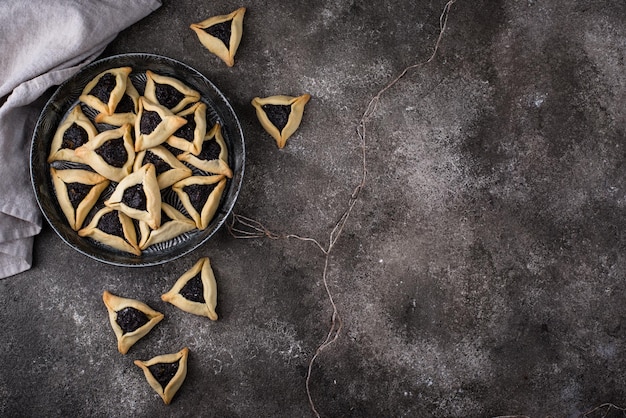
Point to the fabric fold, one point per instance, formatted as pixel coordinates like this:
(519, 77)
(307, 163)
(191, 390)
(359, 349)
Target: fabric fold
(43, 44)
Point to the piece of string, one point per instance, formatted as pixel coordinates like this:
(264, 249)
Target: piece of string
(243, 227)
(608, 406)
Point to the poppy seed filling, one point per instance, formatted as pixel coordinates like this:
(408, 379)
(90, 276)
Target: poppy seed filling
(198, 194)
(74, 137)
(135, 197)
(193, 289)
(187, 130)
(221, 31)
(77, 192)
(130, 319)
(149, 121)
(210, 150)
(103, 88)
(168, 95)
(277, 114)
(159, 164)
(113, 152)
(163, 372)
(110, 224)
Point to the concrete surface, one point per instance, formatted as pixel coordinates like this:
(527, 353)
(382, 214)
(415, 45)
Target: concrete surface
(481, 272)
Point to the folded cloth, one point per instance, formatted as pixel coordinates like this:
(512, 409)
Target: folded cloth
(42, 44)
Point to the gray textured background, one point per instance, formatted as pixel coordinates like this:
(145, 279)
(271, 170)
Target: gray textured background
(481, 272)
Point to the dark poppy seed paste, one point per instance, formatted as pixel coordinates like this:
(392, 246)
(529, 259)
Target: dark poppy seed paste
(210, 150)
(193, 289)
(149, 121)
(113, 152)
(110, 224)
(187, 130)
(221, 31)
(134, 197)
(130, 319)
(163, 372)
(103, 88)
(277, 114)
(77, 192)
(167, 95)
(198, 194)
(159, 164)
(74, 137)
(126, 105)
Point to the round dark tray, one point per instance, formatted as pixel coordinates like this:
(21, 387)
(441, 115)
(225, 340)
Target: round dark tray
(66, 97)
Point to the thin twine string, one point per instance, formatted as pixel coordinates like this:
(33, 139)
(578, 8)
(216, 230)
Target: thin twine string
(242, 227)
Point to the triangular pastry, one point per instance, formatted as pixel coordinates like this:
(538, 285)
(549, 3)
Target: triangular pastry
(173, 224)
(130, 319)
(138, 196)
(189, 136)
(75, 131)
(280, 116)
(166, 373)
(195, 291)
(169, 92)
(213, 155)
(168, 169)
(110, 153)
(221, 35)
(154, 124)
(125, 111)
(77, 192)
(104, 91)
(114, 229)
(200, 195)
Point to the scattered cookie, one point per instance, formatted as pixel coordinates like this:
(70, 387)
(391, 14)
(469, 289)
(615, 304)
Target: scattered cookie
(221, 35)
(166, 373)
(280, 116)
(131, 319)
(195, 291)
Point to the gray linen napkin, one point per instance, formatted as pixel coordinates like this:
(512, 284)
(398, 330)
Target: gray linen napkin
(42, 43)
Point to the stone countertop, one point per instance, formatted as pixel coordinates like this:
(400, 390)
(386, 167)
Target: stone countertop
(480, 271)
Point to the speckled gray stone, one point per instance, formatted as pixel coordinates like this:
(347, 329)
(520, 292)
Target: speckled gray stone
(481, 272)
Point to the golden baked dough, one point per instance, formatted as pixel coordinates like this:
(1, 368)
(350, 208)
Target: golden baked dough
(75, 131)
(152, 130)
(77, 192)
(169, 92)
(125, 111)
(213, 155)
(110, 153)
(189, 136)
(200, 195)
(173, 224)
(130, 319)
(105, 91)
(221, 35)
(114, 229)
(195, 291)
(162, 159)
(138, 196)
(288, 111)
(158, 369)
